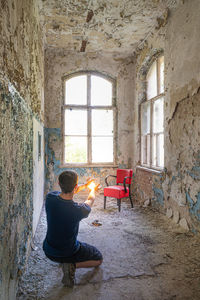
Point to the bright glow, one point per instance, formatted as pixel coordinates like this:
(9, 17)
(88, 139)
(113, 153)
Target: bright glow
(102, 149)
(75, 149)
(76, 90)
(102, 122)
(152, 82)
(158, 115)
(161, 64)
(101, 91)
(88, 125)
(75, 122)
(92, 186)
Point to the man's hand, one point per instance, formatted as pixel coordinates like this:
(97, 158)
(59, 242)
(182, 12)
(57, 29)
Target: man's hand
(90, 199)
(91, 195)
(89, 180)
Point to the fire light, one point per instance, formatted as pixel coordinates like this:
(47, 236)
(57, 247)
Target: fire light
(92, 186)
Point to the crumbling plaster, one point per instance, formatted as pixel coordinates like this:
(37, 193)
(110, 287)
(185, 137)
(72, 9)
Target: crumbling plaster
(114, 27)
(21, 98)
(21, 48)
(177, 187)
(59, 63)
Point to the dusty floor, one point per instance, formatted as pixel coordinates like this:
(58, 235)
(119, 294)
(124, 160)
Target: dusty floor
(146, 256)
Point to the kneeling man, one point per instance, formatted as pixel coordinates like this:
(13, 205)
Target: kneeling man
(63, 217)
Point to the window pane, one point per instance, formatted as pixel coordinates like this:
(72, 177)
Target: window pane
(145, 118)
(158, 115)
(101, 91)
(152, 82)
(76, 90)
(148, 149)
(161, 72)
(102, 149)
(158, 150)
(102, 122)
(75, 149)
(154, 151)
(75, 122)
(145, 148)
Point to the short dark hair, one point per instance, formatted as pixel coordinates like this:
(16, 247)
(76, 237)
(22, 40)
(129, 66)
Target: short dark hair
(67, 181)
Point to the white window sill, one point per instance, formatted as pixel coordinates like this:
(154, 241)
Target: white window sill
(88, 166)
(150, 170)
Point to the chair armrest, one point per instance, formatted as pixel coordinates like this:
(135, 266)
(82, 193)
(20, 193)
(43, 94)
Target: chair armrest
(106, 179)
(124, 183)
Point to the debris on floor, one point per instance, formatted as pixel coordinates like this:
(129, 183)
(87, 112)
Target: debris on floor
(146, 256)
(96, 223)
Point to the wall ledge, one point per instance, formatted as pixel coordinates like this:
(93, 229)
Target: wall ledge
(87, 166)
(150, 170)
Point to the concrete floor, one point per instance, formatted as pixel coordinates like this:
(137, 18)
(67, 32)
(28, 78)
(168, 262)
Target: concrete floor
(146, 256)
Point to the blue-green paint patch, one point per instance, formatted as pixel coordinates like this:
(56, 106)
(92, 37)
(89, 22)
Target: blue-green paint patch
(193, 230)
(122, 166)
(158, 195)
(195, 172)
(194, 207)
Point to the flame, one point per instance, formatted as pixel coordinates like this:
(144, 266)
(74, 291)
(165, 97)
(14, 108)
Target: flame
(92, 186)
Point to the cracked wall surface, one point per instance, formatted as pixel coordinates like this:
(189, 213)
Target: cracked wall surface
(21, 98)
(114, 27)
(59, 63)
(176, 189)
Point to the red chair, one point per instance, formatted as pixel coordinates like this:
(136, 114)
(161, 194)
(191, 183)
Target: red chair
(124, 177)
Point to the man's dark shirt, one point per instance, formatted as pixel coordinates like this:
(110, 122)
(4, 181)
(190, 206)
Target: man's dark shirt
(63, 217)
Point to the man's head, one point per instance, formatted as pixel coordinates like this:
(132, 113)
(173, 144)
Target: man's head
(67, 181)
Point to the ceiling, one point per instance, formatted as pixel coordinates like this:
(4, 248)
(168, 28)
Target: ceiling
(103, 26)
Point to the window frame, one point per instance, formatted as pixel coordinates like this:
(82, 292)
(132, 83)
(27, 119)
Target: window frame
(88, 107)
(152, 101)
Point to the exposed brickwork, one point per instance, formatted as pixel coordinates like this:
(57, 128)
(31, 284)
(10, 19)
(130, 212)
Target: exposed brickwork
(143, 185)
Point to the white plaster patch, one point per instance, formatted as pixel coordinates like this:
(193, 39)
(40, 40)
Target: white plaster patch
(169, 213)
(147, 203)
(183, 223)
(176, 216)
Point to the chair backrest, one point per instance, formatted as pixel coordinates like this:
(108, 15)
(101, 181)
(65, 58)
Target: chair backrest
(121, 173)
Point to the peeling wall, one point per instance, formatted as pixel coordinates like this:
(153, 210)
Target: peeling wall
(16, 187)
(21, 98)
(59, 63)
(177, 189)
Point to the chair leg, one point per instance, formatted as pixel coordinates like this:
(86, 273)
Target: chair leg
(131, 200)
(119, 204)
(104, 202)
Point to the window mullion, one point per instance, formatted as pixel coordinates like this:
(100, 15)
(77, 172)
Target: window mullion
(89, 120)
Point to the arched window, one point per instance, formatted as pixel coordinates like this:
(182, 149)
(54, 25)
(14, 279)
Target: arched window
(152, 117)
(89, 119)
